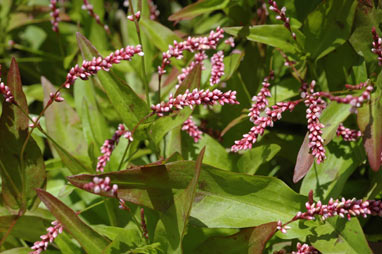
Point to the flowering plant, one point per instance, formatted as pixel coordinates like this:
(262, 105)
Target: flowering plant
(220, 126)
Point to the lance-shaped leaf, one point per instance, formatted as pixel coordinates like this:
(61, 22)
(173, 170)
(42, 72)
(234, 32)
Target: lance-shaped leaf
(249, 240)
(198, 8)
(89, 239)
(370, 123)
(274, 35)
(192, 80)
(331, 117)
(235, 199)
(172, 224)
(126, 102)
(19, 178)
(64, 127)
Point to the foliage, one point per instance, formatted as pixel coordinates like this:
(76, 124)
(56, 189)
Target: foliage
(205, 126)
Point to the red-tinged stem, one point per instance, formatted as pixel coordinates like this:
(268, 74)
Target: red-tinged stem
(14, 221)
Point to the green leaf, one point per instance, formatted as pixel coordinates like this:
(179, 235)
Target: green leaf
(216, 155)
(249, 240)
(235, 200)
(159, 35)
(192, 80)
(198, 8)
(89, 239)
(28, 228)
(172, 224)
(329, 177)
(164, 124)
(274, 35)
(369, 120)
(64, 127)
(19, 178)
(126, 102)
(251, 160)
(331, 117)
(328, 27)
(231, 63)
(20, 250)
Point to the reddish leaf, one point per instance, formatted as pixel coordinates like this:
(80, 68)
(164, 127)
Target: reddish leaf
(19, 178)
(192, 80)
(370, 123)
(198, 8)
(304, 161)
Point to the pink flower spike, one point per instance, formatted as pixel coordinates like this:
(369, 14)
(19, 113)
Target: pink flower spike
(192, 129)
(198, 59)
(260, 101)
(54, 13)
(110, 144)
(89, 7)
(348, 134)
(377, 45)
(53, 232)
(217, 68)
(100, 185)
(196, 97)
(281, 15)
(6, 92)
(230, 41)
(90, 68)
(154, 12)
(305, 249)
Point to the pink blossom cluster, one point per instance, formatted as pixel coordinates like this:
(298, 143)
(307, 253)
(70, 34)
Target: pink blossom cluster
(230, 41)
(89, 7)
(89, 68)
(343, 208)
(305, 249)
(109, 145)
(349, 99)
(55, 14)
(6, 92)
(99, 185)
(192, 129)
(260, 100)
(261, 123)
(192, 44)
(136, 16)
(53, 232)
(281, 15)
(357, 87)
(348, 134)
(198, 59)
(315, 107)
(56, 97)
(196, 97)
(281, 227)
(377, 45)
(154, 12)
(217, 70)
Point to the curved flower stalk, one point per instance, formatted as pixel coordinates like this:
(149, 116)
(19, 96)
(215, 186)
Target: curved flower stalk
(305, 249)
(99, 185)
(192, 44)
(53, 232)
(55, 14)
(192, 129)
(109, 145)
(196, 97)
(217, 70)
(315, 107)
(377, 45)
(348, 134)
(281, 15)
(261, 123)
(89, 7)
(89, 68)
(260, 100)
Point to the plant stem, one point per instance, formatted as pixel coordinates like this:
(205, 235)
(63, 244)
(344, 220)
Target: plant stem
(20, 213)
(146, 84)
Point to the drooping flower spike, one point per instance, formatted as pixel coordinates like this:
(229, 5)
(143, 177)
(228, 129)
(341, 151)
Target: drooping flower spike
(217, 69)
(6, 92)
(196, 97)
(89, 7)
(348, 134)
(377, 45)
(89, 68)
(55, 14)
(110, 144)
(100, 185)
(49, 237)
(281, 15)
(192, 129)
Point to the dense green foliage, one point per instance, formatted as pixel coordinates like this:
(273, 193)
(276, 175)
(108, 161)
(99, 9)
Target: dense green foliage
(176, 195)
